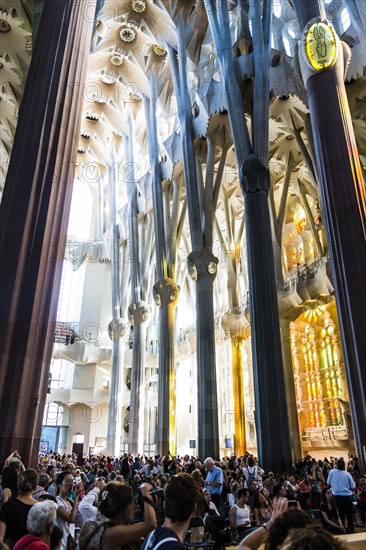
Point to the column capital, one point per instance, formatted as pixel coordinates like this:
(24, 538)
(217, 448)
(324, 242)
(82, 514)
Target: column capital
(165, 292)
(139, 313)
(254, 176)
(117, 328)
(202, 263)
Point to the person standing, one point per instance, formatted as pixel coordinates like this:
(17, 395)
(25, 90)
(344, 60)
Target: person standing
(214, 480)
(315, 478)
(14, 513)
(66, 511)
(342, 484)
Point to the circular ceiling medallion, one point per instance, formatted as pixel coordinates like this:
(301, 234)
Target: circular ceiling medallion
(138, 6)
(159, 50)
(117, 59)
(127, 34)
(320, 44)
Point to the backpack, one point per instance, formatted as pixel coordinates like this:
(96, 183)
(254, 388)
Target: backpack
(149, 543)
(252, 476)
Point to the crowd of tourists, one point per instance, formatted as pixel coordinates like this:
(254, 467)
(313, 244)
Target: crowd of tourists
(129, 502)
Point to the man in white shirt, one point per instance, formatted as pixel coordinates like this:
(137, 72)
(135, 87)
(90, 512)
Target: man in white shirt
(151, 468)
(342, 484)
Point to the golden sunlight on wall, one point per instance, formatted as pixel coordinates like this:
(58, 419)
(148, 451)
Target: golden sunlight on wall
(319, 374)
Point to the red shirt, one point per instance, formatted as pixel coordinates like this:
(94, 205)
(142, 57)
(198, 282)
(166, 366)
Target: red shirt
(30, 542)
(304, 487)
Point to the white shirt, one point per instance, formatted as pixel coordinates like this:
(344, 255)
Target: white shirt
(242, 516)
(86, 508)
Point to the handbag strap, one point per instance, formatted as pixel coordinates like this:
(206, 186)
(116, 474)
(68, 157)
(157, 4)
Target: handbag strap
(94, 532)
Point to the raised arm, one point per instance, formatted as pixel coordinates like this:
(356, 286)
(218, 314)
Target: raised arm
(128, 533)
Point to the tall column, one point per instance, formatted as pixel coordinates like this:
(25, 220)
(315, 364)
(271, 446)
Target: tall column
(269, 388)
(343, 196)
(207, 407)
(116, 327)
(202, 264)
(34, 215)
(166, 294)
(139, 312)
(252, 158)
(165, 291)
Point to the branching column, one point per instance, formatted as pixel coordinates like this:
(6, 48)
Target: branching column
(165, 291)
(202, 264)
(34, 215)
(116, 328)
(138, 311)
(270, 404)
(270, 401)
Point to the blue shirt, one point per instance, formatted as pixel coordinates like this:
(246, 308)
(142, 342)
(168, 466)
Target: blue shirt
(218, 477)
(342, 483)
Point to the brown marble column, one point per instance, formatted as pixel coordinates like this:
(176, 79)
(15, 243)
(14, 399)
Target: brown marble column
(33, 218)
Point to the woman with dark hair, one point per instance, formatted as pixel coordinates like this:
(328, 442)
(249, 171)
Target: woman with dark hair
(315, 478)
(279, 492)
(312, 537)
(9, 484)
(262, 511)
(201, 504)
(67, 509)
(210, 507)
(329, 514)
(14, 513)
(110, 530)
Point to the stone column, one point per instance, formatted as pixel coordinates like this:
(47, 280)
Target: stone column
(116, 328)
(34, 215)
(139, 314)
(269, 388)
(344, 203)
(166, 293)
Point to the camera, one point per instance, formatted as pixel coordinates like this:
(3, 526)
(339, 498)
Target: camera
(292, 504)
(156, 491)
